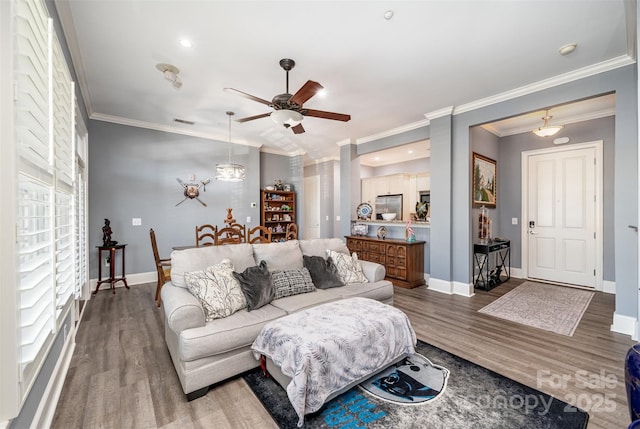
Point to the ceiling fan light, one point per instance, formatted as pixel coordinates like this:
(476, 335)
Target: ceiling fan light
(288, 118)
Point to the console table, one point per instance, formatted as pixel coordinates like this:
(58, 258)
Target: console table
(492, 264)
(403, 260)
(112, 250)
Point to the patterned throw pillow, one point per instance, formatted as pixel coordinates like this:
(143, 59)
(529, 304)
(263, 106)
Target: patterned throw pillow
(292, 282)
(217, 290)
(349, 268)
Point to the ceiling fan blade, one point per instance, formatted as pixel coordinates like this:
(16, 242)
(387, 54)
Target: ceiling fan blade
(307, 91)
(326, 115)
(251, 118)
(249, 96)
(298, 129)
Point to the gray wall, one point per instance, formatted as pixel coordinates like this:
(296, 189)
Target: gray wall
(414, 166)
(510, 181)
(326, 172)
(132, 173)
(486, 143)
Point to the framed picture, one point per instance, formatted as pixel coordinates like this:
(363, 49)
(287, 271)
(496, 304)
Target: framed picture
(485, 181)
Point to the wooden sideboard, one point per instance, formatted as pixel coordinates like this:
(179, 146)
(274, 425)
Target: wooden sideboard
(403, 260)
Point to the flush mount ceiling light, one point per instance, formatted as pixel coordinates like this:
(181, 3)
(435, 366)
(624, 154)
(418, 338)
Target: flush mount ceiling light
(230, 172)
(170, 73)
(568, 48)
(286, 118)
(547, 130)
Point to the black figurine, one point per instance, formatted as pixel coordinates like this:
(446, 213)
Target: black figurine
(106, 234)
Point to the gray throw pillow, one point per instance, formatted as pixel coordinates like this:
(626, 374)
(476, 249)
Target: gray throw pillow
(323, 272)
(292, 282)
(257, 286)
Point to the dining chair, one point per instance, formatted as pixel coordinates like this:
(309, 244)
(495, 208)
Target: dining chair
(205, 235)
(242, 229)
(163, 267)
(260, 234)
(291, 232)
(227, 235)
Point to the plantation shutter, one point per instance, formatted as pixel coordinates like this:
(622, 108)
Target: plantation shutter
(35, 188)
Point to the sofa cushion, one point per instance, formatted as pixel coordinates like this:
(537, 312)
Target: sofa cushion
(217, 290)
(324, 272)
(292, 282)
(227, 334)
(349, 268)
(257, 285)
(319, 246)
(380, 291)
(294, 303)
(200, 258)
(284, 255)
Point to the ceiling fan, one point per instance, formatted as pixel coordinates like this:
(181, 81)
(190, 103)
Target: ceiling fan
(288, 109)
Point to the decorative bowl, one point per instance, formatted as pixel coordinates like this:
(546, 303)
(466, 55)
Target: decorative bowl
(388, 216)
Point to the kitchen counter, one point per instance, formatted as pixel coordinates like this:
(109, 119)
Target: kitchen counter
(414, 224)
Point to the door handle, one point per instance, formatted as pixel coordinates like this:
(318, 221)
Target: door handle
(533, 232)
(634, 227)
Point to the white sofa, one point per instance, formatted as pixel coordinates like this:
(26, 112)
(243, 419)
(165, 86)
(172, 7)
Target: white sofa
(205, 353)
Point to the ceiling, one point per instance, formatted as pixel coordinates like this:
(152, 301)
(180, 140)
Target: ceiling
(386, 73)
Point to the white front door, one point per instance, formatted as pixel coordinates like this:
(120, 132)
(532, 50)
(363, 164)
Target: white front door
(311, 207)
(561, 218)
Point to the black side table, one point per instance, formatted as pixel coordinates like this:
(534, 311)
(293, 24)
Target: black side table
(492, 264)
(112, 267)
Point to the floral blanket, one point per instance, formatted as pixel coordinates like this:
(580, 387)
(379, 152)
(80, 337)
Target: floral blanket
(325, 348)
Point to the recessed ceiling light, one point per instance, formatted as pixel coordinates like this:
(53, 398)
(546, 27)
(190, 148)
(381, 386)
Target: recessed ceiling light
(186, 43)
(388, 15)
(568, 48)
(410, 151)
(377, 158)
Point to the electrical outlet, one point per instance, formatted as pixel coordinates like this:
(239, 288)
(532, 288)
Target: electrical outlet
(338, 218)
(107, 262)
(248, 219)
(136, 221)
(514, 221)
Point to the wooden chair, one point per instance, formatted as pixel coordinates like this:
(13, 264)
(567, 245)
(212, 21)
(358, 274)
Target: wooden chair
(163, 267)
(205, 235)
(242, 229)
(260, 234)
(227, 235)
(291, 232)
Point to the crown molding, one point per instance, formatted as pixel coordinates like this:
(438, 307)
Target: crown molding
(69, 30)
(612, 64)
(394, 131)
(265, 149)
(344, 142)
(445, 111)
(504, 132)
(163, 128)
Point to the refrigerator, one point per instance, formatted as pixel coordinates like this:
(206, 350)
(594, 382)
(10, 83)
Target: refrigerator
(389, 204)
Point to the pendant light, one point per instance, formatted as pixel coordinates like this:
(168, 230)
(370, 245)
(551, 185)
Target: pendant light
(230, 172)
(547, 130)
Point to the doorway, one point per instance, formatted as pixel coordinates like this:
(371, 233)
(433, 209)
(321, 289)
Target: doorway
(562, 214)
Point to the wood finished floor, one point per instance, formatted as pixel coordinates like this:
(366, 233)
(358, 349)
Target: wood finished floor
(121, 375)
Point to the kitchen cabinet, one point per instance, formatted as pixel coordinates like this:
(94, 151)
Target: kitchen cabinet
(409, 185)
(403, 260)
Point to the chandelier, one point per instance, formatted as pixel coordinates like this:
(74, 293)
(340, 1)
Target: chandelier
(230, 172)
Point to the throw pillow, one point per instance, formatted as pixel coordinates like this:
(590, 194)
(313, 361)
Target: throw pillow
(349, 268)
(257, 286)
(292, 282)
(217, 290)
(323, 272)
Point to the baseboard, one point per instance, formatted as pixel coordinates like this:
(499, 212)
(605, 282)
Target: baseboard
(443, 286)
(132, 279)
(608, 287)
(49, 401)
(464, 289)
(516, 273)
(625, 325)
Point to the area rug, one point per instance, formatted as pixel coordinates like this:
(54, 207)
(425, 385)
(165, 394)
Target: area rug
(475, 397)
(552, 308)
